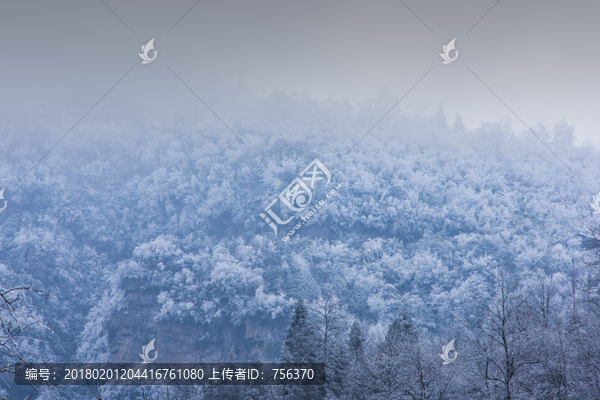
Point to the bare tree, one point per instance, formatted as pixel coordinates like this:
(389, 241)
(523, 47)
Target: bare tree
(507, 341)
(399, 366)
(553, 378)
(330, 321)
(585, 327)
(16, 320)
(591, 243)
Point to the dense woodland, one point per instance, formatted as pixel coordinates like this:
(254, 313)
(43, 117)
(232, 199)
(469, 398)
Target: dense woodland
(437, 232)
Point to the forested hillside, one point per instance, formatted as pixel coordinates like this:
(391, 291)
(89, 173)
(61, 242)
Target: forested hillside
(434, 233)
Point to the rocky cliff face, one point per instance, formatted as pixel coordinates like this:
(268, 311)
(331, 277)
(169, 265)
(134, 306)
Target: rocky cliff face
(255, 339)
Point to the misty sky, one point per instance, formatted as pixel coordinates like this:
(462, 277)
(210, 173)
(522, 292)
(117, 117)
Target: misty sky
(540, 57)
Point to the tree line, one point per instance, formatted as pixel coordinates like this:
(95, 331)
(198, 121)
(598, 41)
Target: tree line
(519, 340)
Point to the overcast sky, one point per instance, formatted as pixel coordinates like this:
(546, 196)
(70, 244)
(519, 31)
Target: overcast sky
(540, 58)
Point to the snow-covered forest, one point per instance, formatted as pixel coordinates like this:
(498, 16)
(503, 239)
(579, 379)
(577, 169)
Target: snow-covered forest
(436, 232)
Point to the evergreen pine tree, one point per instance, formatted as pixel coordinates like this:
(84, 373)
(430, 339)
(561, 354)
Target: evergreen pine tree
(439, 118)
(402, 329)
(300, 347)
(563, 134)
(356, 342)
(400, 338)
(300, 343)
(358, 365)
(458, 124)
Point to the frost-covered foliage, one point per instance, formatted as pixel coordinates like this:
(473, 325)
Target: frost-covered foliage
(425, 215)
